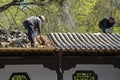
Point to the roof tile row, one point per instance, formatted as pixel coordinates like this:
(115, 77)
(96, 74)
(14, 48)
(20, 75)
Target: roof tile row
(86, 42)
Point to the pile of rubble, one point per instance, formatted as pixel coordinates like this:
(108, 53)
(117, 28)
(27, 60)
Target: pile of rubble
(15, 39)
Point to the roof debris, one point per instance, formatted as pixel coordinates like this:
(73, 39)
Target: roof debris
(15, 39)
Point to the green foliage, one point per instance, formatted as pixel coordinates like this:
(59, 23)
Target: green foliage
(72, 16)
(81, 10)
(19, 77)
(84, 76)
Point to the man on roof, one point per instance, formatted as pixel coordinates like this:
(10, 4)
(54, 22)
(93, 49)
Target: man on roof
(33, 25)
(107, 24)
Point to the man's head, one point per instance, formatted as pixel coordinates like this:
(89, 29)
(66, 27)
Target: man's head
(111, 20)
(42, 17)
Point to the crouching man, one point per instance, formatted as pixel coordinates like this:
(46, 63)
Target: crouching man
(107, 25)
(33, 25)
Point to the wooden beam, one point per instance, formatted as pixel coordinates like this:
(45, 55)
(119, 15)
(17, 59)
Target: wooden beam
(25, 49)
(54, 51)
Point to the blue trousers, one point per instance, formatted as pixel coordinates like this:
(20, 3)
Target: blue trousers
(31, 31)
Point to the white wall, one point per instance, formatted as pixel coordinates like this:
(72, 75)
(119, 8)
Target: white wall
(104, 72)
(35, 72)
(38, 72)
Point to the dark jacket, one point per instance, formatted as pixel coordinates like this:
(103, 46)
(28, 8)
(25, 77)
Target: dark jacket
(104, 24)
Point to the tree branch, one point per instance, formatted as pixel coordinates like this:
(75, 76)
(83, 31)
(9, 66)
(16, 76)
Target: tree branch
(6, 6)
(15, 2)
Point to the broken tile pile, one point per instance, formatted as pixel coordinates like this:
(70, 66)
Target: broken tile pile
(15, 39)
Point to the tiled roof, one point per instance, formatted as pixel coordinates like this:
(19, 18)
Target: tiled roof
(72, 44)
(97, 42)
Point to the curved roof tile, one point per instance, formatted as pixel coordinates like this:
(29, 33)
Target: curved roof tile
(97, 42)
